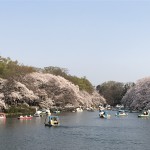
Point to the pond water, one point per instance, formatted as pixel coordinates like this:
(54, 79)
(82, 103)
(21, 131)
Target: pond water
(77, 131)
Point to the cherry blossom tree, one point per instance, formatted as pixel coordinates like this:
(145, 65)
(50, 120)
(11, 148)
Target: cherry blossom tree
(138, 97)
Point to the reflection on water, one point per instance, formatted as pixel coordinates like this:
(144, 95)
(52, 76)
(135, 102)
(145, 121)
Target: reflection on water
(2, 121)
(84, 131)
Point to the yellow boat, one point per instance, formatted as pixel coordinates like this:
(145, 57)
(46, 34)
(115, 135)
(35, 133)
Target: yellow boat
(52, 121)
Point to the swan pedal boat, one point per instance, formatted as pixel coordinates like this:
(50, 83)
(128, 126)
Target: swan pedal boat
(52, 121)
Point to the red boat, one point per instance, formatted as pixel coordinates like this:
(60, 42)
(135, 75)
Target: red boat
(25, 117)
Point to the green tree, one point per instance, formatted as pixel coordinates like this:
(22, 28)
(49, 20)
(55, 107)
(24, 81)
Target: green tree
(112, 91)
(12, 70)
(82, 82)
(56, 71)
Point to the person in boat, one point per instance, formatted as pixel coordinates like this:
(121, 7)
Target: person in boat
(102, 113)
(146, 113)
(55, 119)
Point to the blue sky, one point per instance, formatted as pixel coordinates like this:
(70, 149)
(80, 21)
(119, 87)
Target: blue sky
(102, 40)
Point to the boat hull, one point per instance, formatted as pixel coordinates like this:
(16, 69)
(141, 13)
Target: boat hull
(121, 115)
(24, 117)
(52, 124)
(140, 116)
(105, 116)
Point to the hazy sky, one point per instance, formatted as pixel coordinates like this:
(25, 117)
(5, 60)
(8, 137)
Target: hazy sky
(102, 40)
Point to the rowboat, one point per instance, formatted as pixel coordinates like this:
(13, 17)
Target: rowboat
(25, 117)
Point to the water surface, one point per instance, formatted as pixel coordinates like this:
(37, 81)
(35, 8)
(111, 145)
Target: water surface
(77, 131)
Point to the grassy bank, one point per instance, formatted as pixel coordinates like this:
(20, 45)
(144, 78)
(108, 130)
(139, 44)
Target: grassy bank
(19, 110)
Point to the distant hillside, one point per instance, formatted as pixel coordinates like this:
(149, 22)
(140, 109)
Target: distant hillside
(49, 87)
